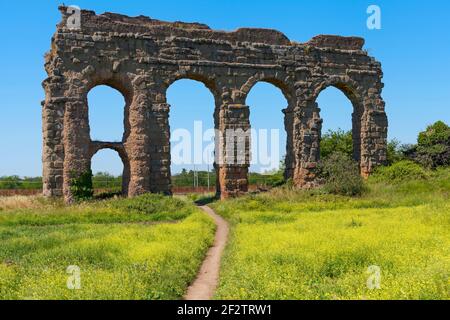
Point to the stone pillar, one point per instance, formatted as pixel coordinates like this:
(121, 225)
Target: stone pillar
(53, 148)
(306, 141)
(356, 133)
(160, 175)
(77, 159)
(233, 158)
(125, 177)
(137, 144)
(52, 133)
(290, 157)
(374, 126)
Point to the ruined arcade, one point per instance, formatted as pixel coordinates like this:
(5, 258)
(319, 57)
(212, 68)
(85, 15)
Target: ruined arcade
(142, 57)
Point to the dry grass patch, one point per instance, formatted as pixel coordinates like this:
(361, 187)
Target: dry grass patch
(24, 202)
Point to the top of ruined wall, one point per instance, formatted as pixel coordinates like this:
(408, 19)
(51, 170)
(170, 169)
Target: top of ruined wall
(142, 25)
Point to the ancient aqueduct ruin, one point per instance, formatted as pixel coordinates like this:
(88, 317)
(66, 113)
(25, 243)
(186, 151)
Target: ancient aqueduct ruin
(142, 57)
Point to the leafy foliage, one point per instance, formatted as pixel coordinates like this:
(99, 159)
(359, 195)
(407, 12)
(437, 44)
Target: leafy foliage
(272, 180)
(338, 140)
(81, 185)
(396, 151)
(438, 133)
(341, 175)
(342, 141)
(400, 171)
(16, 182)
(433, 146)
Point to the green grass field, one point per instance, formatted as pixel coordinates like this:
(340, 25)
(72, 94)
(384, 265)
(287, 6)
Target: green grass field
(146, 248)
(306, 245)
(284, 244)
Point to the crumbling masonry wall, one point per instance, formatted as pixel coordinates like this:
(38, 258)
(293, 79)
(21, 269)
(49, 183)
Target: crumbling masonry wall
(142, 57)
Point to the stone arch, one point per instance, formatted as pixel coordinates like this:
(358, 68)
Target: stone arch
(107, 109)
(118, 147)
(285, 83)
(348, 86)
(119, 82)
(211, 87)
(207, 80)
(282, 82)
(353, 92)
(78, 147)
(287, 111)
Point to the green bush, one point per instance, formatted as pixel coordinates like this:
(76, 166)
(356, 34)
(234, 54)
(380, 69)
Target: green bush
(338, 140)
(396, 151)
(151, 204)
(438, 133)
(400, 171)
(341, 175)
(81, 185)
(433, 146)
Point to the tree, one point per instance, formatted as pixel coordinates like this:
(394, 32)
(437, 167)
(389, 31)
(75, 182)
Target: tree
(433, 146)
(81, 185)
(437, 133)
(338, 140)
(396, 151)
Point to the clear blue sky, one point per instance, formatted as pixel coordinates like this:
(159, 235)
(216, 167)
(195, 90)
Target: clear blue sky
(413, 47)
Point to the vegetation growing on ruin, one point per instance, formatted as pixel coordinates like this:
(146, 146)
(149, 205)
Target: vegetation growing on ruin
(81, 185)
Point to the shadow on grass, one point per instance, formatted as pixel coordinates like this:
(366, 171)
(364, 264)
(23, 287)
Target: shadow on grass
(108, 195)
(206, 200)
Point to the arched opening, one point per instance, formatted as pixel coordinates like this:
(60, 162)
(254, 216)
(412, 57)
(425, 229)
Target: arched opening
(269, 134)
(341, 122)
(110, 172)
(192, 132)
(107, 114)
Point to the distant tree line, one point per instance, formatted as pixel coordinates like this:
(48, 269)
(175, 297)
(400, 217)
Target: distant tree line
(105, 180)
(101, 180)
(16, 182)
(431, 151)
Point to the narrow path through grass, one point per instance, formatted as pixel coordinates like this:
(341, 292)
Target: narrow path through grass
(204, 286)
